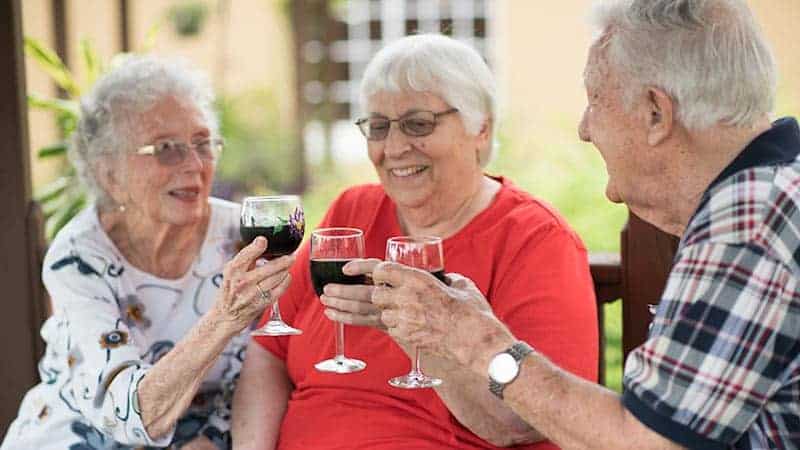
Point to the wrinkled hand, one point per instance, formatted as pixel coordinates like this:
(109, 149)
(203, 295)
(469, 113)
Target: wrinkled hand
(352, 304)
(240, 301)
(419, 310)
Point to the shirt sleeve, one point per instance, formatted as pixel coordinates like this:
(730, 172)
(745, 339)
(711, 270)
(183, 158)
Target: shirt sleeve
(105, 368)
(720, 344)
(546, 297)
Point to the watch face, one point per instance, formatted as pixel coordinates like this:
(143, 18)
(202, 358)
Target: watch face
(503, 368)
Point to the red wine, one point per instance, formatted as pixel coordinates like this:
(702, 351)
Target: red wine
(282, 243)
(329, 270)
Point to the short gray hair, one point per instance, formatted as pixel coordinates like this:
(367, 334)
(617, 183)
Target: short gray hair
(438, 65)
(708, 55)
(108, 112)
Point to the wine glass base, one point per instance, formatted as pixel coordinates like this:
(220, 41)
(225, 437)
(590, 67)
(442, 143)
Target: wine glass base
(275, 328)
(414, 381)
(340, 365)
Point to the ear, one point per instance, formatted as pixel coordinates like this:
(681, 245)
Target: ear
(484, 140)
(109, 177)
(660, 118)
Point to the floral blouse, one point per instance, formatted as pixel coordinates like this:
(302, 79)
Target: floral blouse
(111, 322)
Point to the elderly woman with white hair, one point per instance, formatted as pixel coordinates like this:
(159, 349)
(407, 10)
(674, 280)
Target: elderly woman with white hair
(149, 297)
(429, 104)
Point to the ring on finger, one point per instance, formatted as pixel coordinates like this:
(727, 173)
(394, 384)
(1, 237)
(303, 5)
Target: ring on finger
(264, 295)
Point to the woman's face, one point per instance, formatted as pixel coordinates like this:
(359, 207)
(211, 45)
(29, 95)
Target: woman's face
(430, 170)
(171, 194)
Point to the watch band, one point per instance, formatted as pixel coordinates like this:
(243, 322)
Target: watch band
(519, 350)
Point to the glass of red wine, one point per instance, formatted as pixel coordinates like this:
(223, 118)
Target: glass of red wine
(424, 252)
(280, 219)
(331, 249)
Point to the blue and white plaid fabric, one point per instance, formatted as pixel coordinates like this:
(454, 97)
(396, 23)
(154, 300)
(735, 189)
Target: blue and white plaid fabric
(721, 367)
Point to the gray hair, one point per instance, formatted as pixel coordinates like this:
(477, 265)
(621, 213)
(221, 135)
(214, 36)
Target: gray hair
(708, 55)
(109, 112)
(439, 65)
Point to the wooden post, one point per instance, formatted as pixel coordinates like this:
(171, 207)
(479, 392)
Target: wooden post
(19, 323)
(124, 26)
(647, 255)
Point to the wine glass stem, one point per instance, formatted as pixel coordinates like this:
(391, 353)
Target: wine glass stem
(416, 368)
(339, 340)
(275, 315)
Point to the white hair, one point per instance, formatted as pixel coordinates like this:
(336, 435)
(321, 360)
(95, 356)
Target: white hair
(438, 65)
(708, 55)
(109, 112)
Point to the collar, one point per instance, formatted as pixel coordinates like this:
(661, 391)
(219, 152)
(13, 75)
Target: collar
(778, 145)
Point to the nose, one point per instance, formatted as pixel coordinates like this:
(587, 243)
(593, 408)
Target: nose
(583, 126)
(192, 162)
(396, 143)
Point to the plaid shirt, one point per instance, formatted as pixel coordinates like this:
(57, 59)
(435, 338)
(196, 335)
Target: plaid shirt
(721, 367)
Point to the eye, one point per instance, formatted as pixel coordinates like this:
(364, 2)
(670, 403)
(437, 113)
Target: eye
(417, 125)
(164, 146)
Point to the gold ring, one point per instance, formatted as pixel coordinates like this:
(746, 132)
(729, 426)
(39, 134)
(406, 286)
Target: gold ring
(264, 295)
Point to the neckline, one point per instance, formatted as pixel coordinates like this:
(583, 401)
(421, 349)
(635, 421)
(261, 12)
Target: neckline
(129, 266)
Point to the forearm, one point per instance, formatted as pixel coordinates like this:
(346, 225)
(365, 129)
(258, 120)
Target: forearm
(260, 400)
(469, 400)
(171, 384)
(568, 410)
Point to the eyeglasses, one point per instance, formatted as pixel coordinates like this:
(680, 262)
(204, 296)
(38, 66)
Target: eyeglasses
(414, 124)
(170, 153)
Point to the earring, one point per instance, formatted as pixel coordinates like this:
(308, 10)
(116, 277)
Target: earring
(121, 208)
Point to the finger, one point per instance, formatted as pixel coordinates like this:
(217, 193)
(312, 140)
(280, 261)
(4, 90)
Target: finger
(389, 318)
(248, 255)
(349, 306)
(397, 275)
(360, 266)
(281, 288)
(361, 293)
(384, 297)
(273, 267)
(458, 281)
(353, 319)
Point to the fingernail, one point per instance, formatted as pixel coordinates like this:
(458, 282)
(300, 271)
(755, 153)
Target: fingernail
(261, 240)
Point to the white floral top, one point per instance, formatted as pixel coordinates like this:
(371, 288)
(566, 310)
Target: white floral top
(112, 321)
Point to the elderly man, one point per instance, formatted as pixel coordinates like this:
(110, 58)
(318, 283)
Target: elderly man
(679, 93)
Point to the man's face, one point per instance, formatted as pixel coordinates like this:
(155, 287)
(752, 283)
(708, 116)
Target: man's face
(620, 136)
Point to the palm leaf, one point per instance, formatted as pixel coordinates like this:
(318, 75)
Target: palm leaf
(59, 149)
(53, 104)
(52, 64)
(94, 67)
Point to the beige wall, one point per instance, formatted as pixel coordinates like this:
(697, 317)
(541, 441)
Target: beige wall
(541, 50)
(246, 48)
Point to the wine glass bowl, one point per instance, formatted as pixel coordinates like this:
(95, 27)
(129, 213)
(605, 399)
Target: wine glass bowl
(422, 252)
(280, 219)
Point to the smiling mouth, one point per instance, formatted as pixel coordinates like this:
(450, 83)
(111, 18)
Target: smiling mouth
(407, 171)
(185, 193)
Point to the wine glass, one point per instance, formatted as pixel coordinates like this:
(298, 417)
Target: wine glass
(331, 249)
(280, 219)
(423, 253)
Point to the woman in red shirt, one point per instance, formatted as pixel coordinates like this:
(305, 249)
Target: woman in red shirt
(430, 116)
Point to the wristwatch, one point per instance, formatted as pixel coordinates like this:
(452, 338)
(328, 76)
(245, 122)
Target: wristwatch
(504, 367)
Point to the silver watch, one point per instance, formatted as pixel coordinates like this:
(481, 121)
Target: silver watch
(504, 367)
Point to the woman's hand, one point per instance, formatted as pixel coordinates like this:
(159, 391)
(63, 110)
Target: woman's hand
(248, 288)
(352, 304)
(419, 310)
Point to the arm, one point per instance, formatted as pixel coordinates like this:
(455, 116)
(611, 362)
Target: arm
(166, 392)
(260, 400)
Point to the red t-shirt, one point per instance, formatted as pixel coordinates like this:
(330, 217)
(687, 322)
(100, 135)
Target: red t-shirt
(519, 252)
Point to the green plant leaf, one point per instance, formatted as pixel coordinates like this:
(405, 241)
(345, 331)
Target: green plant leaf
(49, 61)
(53, 104)
(53, 189)
(65, 214)
(150, 37)
(59, 149)
(94, 67)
